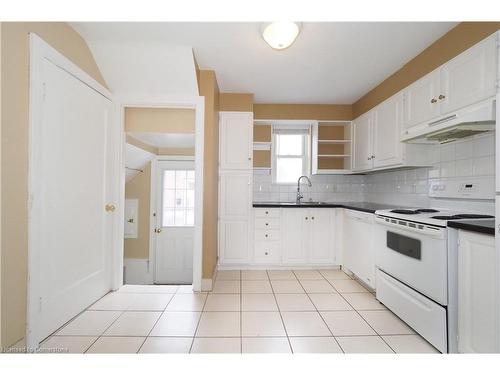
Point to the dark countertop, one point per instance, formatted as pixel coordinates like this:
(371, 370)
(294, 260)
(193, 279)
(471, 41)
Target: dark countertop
(358, 206)
(486, 226)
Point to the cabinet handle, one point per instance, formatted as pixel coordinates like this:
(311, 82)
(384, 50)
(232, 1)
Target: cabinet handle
(441, 97)
(267, 212)
(312, 218)
(267, 235)
(306, 217)
(267, 224)
(266, 253)
(249, 158)
(433, 100)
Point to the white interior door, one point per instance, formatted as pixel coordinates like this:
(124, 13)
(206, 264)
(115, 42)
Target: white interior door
(174, 230)
(70, 230)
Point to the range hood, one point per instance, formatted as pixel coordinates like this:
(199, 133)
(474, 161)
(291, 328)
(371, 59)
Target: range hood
(474, 119)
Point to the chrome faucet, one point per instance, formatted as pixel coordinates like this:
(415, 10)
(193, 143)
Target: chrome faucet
(299, 195)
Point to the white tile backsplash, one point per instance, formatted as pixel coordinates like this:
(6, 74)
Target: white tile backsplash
(465, 158)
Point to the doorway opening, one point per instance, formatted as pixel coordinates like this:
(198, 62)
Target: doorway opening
(160, 195)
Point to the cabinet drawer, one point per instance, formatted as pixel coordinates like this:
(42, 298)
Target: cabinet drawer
(419, 312)
(267, 235)
(267, 223)
(267, 212)
(267, 252)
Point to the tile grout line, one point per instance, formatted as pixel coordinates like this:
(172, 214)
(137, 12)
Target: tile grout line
(357, 312)
(199, 320)
(102, 333)
(279, 311)
(321, 316)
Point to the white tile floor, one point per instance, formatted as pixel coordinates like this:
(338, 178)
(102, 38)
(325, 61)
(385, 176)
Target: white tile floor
(283, 311)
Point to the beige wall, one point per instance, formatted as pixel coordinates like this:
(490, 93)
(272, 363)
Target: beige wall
(302, 111)
(457, 40)
(140, 188)
(160, 120)
(176, 151)
(209, 89)
(14, 148)
(239, 102)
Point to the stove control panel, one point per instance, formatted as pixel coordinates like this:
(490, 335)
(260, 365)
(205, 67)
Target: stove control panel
(463, 187)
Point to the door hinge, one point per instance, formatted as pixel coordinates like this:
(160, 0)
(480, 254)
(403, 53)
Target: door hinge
(40, 304)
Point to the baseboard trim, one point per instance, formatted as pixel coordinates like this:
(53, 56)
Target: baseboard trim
(137, 271)
(230, 267)
(206, 285)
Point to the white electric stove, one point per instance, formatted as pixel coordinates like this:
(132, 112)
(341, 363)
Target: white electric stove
(416, 271)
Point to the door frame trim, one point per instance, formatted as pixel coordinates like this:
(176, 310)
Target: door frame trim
(153, 205)
(40, 51)
(165, 101)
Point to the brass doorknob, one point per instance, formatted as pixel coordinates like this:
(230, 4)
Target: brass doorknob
(158, 230)
(110, 207)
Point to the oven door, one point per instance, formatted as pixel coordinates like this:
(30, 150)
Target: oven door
(414, 254)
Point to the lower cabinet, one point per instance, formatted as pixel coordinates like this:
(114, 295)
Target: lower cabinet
(308, 236)
(233, 241)
(478, 294)
(358, 250)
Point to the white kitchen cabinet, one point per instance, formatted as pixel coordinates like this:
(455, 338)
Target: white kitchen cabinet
(466, 79)
(421, 100)
(377, 142)
(387, 118)
(470, 77)
(358, 250)
(236, 140)
(478, 294)
(363, 144)
(235, 195)
(233, 242)
(307, 236)
(267, 236)
(295, 229)
(321, 232)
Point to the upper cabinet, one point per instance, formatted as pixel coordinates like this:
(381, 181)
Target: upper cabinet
(467, 79)
(236, 140)
(331, 147)
(363, 144)
(376, 139)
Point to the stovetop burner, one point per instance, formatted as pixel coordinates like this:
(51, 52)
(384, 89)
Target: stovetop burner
(414, 212)
(462, 216)
(405, 212)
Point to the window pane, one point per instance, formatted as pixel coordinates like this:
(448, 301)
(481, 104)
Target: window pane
(180, 179)
(169, 198)
(169, 179)
(178, 198)
(288, 170)
(189, 217)
(290, 144)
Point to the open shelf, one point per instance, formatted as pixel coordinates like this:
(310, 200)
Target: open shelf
(332, 147)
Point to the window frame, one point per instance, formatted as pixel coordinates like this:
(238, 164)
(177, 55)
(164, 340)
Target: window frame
(306, 154)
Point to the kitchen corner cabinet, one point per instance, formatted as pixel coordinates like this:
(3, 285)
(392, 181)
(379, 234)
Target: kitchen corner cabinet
(307, 236)
(377, 142)
(478, 294)
(358, 248)
(466, 79)
(235, 140)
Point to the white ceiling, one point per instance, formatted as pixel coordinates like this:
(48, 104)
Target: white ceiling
(165, 140)
(135, 159)
(330, 62)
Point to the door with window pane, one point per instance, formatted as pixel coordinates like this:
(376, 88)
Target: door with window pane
(174, 232)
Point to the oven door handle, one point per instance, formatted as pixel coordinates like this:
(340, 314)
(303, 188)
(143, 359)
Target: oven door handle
(426, 230)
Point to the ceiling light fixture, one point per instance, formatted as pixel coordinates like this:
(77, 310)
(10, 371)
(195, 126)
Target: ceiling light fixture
(280, 35)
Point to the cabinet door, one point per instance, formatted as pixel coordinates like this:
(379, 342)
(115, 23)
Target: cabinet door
(421, 100)
(363, 142)
(295, 235)
(321, 233)
(478, 294)
(469, 77)
(233, 241)
(236, 140)
(235, 199)
(387, 148)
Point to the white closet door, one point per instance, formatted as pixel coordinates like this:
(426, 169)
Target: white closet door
(70, 182)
